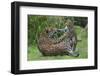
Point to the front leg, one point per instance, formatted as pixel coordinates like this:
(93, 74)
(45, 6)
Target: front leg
(72, 53)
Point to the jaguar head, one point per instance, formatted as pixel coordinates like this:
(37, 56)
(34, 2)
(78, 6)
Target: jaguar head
(56, 33)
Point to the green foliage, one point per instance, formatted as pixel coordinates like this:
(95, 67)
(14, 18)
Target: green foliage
(36, 24)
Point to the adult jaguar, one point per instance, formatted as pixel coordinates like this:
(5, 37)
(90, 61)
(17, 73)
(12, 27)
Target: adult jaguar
(53, 41)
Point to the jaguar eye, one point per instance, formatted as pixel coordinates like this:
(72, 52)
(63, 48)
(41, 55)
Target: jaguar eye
(65, 30)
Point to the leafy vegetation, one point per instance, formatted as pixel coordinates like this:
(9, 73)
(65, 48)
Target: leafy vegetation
(37, 24)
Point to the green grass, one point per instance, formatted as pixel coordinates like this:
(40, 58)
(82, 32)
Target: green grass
(82, 45)
(34, 53)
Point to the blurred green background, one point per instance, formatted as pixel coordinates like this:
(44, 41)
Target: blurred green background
(37, 23)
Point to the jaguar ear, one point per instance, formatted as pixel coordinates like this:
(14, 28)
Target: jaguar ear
(69, 22)
(46, 30)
